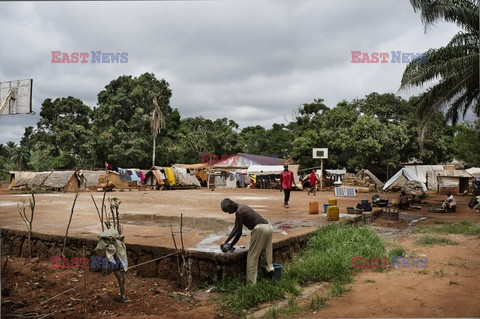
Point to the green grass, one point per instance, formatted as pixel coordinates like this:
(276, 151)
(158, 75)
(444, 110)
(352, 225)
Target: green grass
(466, 227)
(439, 273)
(427, 240)
(291, 308)
(317, 302)
(327, 257)
(396, 251)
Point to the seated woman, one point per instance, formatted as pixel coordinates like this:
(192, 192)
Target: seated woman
(403, 201)
(450, 205)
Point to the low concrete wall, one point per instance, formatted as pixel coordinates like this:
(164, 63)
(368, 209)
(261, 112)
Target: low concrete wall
(204, 266)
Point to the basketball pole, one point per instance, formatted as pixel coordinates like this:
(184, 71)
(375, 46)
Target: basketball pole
(321, 174)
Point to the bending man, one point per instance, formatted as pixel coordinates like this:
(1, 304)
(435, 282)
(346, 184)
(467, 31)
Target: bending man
(260, 240)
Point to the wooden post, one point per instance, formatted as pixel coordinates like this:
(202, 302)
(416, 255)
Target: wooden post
(153, 156)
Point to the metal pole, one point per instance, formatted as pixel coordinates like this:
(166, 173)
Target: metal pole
(321, 174)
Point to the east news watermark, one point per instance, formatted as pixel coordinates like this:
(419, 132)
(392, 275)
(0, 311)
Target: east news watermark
(89, 57)
(93, 262)
(395, 262)
(388, 57)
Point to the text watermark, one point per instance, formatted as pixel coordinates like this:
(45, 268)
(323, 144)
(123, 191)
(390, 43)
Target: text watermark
(89, 57)
(396, 262)
(94, 261)
(383, 57)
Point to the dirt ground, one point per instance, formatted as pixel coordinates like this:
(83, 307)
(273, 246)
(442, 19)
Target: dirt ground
(447, 288)
(146, 216)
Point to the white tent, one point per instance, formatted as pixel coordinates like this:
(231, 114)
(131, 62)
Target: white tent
(265, 169)
(426, 174)
(400, 178)
(474, 171)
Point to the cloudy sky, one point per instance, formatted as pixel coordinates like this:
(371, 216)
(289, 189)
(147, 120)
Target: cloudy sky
(251, 61)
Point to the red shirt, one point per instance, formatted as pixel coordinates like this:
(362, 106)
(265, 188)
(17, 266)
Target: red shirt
(313, 179)
(286, 179)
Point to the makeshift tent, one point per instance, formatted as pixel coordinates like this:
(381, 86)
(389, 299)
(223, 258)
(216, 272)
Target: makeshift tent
(474, 171)
(183, 178)
(199, 170)
(368, 176)
(38, 180)
(170, 176)
(19, 179)
(425, 174)
(114, 180)
(454, 181)
(244, 160)
(400, 178)
(63, 181)
(89, 179)
(155, 177)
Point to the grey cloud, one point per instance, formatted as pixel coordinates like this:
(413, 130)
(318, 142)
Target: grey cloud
(251, 61)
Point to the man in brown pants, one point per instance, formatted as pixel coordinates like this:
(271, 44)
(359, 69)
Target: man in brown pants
(261, 236)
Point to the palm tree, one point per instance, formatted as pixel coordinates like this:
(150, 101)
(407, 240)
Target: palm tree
(454, 68)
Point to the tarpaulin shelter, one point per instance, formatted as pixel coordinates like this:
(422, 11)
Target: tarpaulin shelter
(400, 178)
(474, 171)
(244, 160)
(426, 174)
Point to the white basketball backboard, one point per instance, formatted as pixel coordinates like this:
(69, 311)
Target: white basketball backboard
(320, 153)
(16, 97)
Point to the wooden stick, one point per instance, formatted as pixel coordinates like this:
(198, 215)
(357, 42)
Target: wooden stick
(68, 226)
(181, 232)
(172, 254)
(57, 295)
(98, 212)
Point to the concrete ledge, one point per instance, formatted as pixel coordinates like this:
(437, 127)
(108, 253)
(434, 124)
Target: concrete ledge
(204, 266)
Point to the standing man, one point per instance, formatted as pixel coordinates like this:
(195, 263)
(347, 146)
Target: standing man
(313, 183)
(286, 181)
(260, 240)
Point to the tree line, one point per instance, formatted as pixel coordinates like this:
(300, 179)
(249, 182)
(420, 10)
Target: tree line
(380, 130)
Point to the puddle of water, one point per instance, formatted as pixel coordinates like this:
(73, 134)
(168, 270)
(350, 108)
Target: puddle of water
(207, 244)
(9, 204)
(250, 198)
(219, 226)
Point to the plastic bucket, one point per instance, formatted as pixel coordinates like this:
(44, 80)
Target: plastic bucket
(325, 207)
(277, 272)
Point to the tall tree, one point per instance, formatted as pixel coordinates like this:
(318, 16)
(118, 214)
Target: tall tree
(467, 143)
(121, 122)
(455, 66)
(62, 136)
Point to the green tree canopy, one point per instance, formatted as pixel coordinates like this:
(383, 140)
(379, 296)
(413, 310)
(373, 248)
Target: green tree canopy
(121, 122)
(454, 69)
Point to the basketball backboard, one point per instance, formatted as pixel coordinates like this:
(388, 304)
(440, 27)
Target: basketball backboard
(16, 97)
(320, 153)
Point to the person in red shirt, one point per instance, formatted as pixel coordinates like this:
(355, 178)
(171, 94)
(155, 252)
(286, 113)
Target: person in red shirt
(286, 181)
(313, 183)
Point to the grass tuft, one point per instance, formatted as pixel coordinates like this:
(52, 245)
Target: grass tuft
(466, 227)
(327, 257)
(427, 240)
(318, 302)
